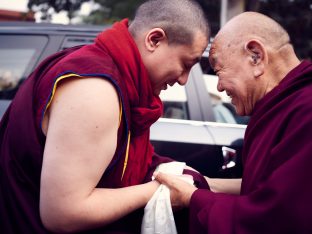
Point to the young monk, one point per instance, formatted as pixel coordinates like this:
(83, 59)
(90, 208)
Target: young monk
(75, 150)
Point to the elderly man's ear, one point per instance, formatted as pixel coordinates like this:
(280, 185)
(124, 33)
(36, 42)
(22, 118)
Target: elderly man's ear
(256, 55)
(154, 38)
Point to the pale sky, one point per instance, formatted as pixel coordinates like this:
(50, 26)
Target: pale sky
(21, 5)
(18, 5)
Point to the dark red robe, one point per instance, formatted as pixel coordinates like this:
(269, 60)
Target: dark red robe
(113, 57)
(276, 189)
(22, 140)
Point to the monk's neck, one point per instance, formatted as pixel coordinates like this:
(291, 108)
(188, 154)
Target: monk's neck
(279, 67)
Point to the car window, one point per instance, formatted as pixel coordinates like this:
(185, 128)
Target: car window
(18, 55)
(223, 109)
(175, 102)
(75, 41)
(221, 112)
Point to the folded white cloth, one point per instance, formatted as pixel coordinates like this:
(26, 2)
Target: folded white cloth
(158, 216)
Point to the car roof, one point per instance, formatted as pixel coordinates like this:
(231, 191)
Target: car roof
(32, 27)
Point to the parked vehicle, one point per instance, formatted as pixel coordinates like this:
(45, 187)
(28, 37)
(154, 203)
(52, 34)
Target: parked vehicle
(198, 125)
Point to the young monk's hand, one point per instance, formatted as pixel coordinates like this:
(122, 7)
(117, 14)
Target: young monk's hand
(180, 190)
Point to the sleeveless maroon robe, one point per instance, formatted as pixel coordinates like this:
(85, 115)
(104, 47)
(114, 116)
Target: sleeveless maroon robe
(114, 57)
(22, 141)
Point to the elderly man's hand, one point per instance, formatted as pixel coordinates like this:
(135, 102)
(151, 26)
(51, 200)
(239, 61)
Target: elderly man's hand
(180, 190)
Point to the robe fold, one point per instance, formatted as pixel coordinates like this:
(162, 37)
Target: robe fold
(276, 189)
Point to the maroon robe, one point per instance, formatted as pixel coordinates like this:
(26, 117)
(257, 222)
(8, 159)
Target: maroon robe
(276, 189)
(113, 57)
(22, 140)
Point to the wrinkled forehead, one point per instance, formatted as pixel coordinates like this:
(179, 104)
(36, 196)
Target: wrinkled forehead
(213, 55)
(221, 48)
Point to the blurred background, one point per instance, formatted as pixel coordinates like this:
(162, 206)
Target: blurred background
(294, 15)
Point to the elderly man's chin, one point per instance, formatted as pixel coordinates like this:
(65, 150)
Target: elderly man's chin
(239, 110)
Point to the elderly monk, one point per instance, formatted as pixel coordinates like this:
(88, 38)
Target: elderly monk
(258, 68)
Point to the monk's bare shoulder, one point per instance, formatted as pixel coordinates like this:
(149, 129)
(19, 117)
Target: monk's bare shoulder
(90, 95)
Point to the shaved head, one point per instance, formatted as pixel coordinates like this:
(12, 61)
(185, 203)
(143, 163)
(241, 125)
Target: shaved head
(253, 25)
(251, 54)
(234, 35)
(180, 19)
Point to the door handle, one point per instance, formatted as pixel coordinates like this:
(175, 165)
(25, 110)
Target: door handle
(229, 157)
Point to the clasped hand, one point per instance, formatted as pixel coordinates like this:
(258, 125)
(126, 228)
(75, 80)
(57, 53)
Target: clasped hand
(180, 188)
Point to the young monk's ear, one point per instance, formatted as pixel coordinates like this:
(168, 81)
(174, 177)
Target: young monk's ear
(256, 56)
(154, 38)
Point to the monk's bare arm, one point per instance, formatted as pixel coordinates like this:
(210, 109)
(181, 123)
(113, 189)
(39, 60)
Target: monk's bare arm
(219, 185)
(81, 128)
